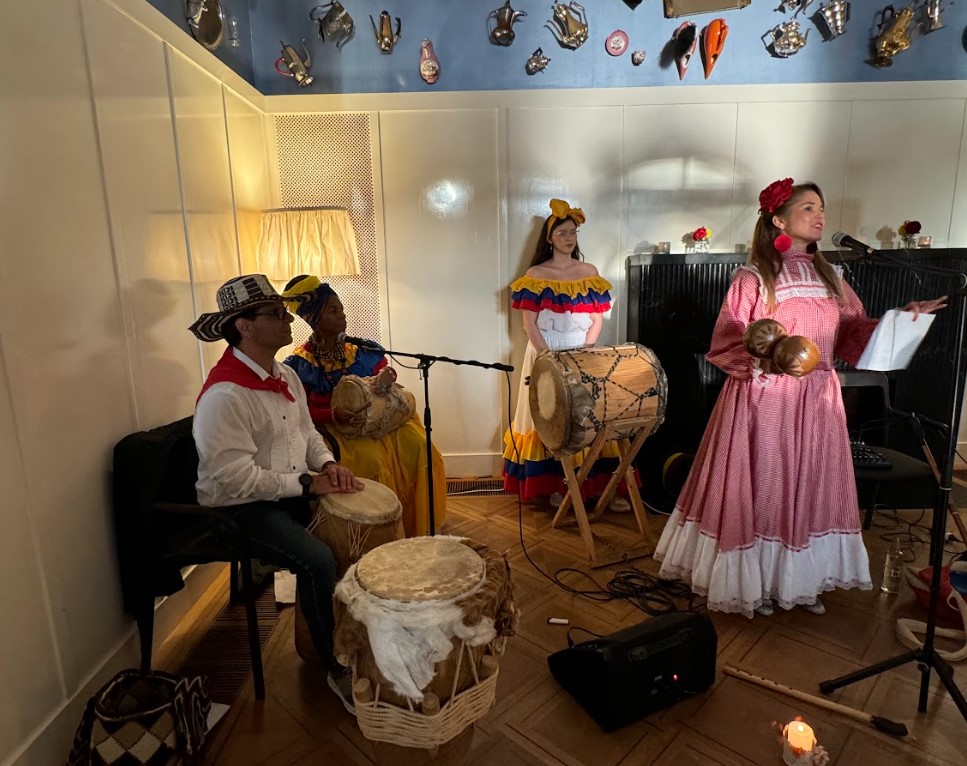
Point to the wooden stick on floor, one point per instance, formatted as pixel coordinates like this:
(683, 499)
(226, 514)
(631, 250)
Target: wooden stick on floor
(894, 728)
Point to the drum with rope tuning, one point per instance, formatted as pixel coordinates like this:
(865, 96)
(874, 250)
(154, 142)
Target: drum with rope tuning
(422, 622)
(574, 393)
(351, 524)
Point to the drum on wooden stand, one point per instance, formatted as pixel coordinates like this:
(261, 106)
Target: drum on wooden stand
(351, 524)
(422, 622)
(574, 393)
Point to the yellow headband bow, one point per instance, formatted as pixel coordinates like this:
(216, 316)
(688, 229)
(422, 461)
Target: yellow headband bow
(307, 285)
(561, 210)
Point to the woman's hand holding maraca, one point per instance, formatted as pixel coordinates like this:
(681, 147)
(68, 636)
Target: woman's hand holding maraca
(767, 340)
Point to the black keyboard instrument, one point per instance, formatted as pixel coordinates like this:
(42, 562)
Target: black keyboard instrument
(865, 456)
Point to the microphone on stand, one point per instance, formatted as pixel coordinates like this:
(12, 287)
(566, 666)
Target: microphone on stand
(361, 342)
(842, 239)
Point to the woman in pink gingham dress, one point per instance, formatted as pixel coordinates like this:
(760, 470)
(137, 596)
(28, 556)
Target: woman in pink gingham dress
(769, 510)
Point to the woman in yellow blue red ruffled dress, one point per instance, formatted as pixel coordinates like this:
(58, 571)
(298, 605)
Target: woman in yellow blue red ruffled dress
(397, 460)
(563, 300)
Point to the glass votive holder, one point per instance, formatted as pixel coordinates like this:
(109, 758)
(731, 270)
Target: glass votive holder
(925, 241)
(664, 248)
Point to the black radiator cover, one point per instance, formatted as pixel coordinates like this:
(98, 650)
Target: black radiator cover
(673, 302)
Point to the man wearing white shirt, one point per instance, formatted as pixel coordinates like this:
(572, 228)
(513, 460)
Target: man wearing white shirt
(259, 456)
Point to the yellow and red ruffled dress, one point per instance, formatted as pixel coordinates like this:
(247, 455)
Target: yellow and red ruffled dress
(397, 460)
(564, 310)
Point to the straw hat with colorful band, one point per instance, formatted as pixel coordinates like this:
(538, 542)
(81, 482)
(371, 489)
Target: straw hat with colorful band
(561, 210)
(314, 294)
(235, 297)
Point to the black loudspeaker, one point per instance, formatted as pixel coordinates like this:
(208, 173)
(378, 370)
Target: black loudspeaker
(619, 678)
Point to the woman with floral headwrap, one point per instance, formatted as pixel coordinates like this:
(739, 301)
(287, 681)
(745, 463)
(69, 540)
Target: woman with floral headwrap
(397, 460)
(562, 300)
(769, 511)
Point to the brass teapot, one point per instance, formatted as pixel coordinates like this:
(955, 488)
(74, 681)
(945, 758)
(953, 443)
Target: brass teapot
(502, 31)
(386, 39)
(894, 35)
(569, 25)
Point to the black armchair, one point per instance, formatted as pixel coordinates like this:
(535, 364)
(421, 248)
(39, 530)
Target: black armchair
(160, 528)
(908, 482)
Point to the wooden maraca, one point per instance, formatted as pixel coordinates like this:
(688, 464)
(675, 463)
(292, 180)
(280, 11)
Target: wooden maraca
(761, 337)
(796, 355)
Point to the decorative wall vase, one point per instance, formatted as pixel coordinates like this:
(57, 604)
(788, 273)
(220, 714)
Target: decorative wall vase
(894, 36)
(502, 29)
(386, 38)
(335, 23)
(537, 62)
(569, 25)
(429, 63)
(296, 66)
(685, 37)
(637, 57)
(785, 39)
(834, 16)
(713, 42)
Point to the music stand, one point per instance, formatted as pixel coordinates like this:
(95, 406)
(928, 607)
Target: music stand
(425, 362)
(926, 657)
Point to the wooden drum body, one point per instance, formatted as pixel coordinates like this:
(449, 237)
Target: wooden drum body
(351, 524)
(422, 622)
(361, 409)
(574, 393)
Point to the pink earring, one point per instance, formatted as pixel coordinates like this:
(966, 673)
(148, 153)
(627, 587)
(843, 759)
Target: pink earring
(782, 243)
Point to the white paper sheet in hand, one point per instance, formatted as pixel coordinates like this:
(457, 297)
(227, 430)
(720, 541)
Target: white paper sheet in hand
(895, 340)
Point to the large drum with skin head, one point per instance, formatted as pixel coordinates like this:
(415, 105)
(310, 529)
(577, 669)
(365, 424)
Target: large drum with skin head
(351, 524)
(574, 393)
(422, 622)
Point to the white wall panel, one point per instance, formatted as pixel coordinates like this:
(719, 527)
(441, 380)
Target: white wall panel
(29, 667)
(809, 145)
(250, 176)
(902, 165)
(201, 136)
(678, 166)
(64, 350)
(441, 226)
(573, 154)
(138, 149)
(958, 207)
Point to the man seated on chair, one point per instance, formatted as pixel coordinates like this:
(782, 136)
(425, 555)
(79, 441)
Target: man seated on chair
(259, 456)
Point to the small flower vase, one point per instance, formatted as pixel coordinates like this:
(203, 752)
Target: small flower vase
(701, 245)
(908, 241)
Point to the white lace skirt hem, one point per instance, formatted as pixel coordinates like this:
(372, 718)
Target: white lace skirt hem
(740, 580)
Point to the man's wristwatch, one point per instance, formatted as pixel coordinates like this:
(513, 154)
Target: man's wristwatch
(305, 480)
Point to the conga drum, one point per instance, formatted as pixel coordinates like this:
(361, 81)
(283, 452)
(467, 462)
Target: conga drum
(574, 393)
(350, 523)
(422, 622)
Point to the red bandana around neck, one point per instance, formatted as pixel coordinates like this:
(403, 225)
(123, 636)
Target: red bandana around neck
(231, 369)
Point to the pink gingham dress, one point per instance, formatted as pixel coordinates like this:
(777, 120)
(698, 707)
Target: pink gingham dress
(769, 509)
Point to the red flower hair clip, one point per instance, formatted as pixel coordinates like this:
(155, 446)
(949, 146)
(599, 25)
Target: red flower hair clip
(774, 196)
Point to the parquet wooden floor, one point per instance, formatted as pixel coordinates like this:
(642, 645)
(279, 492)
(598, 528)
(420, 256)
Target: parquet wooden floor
(301, 723)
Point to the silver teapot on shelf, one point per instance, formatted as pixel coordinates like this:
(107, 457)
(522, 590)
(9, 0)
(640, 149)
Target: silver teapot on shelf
(297, 67)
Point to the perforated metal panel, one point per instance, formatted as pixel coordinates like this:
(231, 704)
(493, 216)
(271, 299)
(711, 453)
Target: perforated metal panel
(325, 160)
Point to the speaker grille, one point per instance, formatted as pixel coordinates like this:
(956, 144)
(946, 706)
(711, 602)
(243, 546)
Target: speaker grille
(325, 161)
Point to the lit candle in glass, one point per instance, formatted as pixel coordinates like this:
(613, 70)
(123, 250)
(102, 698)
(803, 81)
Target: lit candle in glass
(798, 742)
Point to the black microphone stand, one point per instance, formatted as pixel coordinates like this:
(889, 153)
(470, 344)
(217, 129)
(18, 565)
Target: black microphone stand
(425, 362)
(927, 657)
